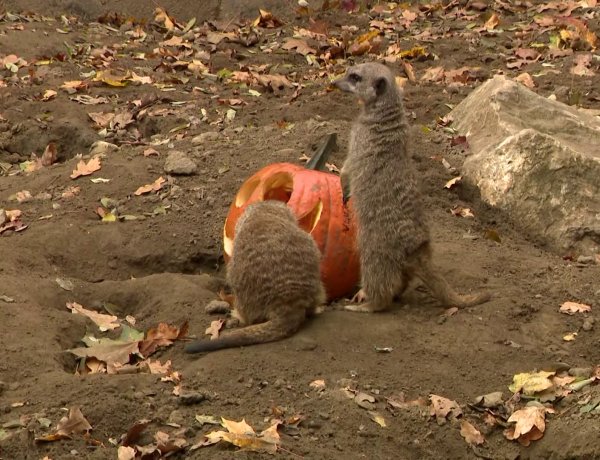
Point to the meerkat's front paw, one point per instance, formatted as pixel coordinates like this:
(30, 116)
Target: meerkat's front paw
(217, 307)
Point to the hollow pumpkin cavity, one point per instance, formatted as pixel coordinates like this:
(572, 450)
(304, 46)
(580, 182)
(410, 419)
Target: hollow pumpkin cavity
(279, 187)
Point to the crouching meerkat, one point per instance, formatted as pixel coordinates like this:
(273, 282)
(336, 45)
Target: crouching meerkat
(393, 236)
(274, 275)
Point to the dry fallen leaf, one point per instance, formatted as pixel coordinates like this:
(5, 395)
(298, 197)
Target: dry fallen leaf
(378, 418)
(215, 328)
(104, 322)
(525, 79)
(73, 423)
(153, 187)
(492, 22)
(125, 453)
(399, 402)
(453, 182)
(442, 407)
(116, 353)
(85, 169)
(109, 79)
(70, 192)
(570, 308)
(582, 64)
(318, 385)
(471, 434)
(529, 425)
(462, 212)
(72, 87)
(570, 336)
(242, 435)
(531, 383)
(49, 94)
(161, 336)
(267, 20)
(300, 46)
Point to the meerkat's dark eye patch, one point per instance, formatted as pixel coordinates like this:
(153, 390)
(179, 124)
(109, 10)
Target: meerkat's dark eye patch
(354, 77)
(380, 85)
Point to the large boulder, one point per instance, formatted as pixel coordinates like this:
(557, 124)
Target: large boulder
(536, 159)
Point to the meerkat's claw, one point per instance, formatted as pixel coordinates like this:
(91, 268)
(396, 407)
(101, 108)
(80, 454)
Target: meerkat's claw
(359, 297)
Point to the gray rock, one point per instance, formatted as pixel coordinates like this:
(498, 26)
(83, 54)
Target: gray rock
(179, 163)
(204, 137)
(191, 398)
(537, 160)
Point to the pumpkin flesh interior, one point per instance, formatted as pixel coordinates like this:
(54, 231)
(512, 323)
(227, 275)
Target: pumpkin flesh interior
(246, 191)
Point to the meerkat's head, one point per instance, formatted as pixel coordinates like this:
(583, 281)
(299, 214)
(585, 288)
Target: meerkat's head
(369, 82)
(266, 209)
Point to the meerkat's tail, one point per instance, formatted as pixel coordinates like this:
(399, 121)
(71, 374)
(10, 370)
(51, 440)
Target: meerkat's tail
(269, 331)
(440, 288)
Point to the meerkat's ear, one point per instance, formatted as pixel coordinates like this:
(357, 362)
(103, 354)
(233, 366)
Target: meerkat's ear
(380, 86)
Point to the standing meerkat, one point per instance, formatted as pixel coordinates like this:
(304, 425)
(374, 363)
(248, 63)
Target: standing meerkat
(393, 236)
(275, 277)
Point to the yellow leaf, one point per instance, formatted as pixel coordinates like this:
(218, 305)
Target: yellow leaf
(570, 336)
(237, 427)
(531, 383)
(452, 182)
(492, 22)
(378, 418)
(48, 94)
(111, 80)
(413, 52)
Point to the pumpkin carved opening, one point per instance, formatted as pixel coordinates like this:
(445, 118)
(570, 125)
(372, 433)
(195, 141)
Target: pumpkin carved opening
(278, 186)
(246, 191)
(309, 221)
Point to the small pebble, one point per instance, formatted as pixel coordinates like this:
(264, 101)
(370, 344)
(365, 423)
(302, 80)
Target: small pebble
(204, 137)
(583, 372)
(588, 324)
(191, 398)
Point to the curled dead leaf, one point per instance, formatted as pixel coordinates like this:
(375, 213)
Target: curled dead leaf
(215, 328)
(153, 187)
(104, 322)
(530, 425)
(570, 308)
(471, 434)
(442, 408)
(85, 169)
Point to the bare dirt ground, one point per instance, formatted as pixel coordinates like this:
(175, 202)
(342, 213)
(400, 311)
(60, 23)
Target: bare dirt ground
(166, 264)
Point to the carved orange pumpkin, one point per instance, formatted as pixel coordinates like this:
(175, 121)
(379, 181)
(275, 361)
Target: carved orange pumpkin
(315, 197)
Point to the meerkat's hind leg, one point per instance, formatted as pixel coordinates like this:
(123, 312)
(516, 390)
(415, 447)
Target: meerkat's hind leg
(440, 288)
